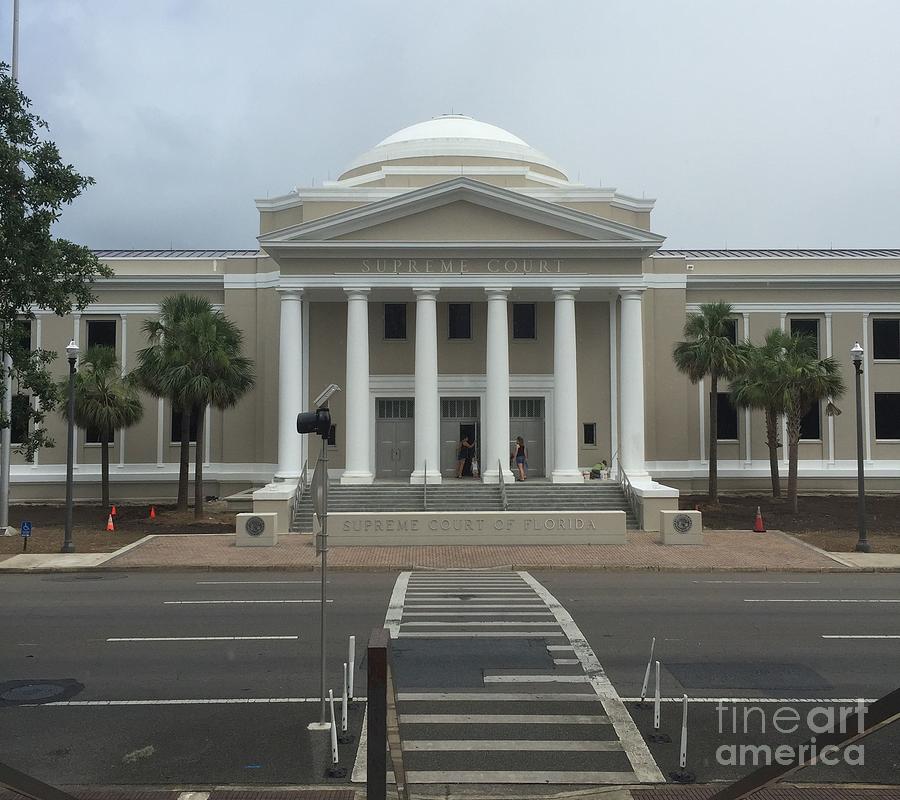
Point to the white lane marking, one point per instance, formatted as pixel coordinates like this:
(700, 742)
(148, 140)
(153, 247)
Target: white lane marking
(509, 744)
(564, 662)
(743, 700)
(241, 583)
(504, 719)
(215, 701)
(478, 613)
(480, 624)
(478, 634)
(360, 770)
(554, 647)
(233, 602)
(861, 636)
(193, 796)
(198, 638)
(758, 582)
(500, 776)
(633, 743)
(536, 678)
(417, 606)
(395, 605)
(746, 600)
(496, 596)
(498, 696)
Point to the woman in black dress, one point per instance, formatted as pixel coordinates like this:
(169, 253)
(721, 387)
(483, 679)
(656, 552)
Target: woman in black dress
(462, 454)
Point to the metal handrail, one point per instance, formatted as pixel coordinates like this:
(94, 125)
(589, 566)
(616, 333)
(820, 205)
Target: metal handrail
(504, 501)
(302, 486)
(630, 497)
(425, 486)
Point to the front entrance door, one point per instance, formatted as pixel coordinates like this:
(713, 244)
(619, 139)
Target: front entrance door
(394, 437)
(526, 419)
(459, 418)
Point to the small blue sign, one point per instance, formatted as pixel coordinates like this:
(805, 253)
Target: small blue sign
(26, 529)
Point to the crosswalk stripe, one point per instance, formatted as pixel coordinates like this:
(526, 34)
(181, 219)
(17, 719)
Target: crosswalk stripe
(505, 776)
(504, 719)
(435, 745)
(468, 697)
(480, 624)
(477, 614)
(536, 679)
(478, 634)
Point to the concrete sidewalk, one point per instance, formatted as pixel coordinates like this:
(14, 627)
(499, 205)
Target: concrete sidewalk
(722, 550)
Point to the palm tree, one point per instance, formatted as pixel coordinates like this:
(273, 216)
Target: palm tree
(806, 379)
(756, 385)
(156, 361)
(208, 369)
(709, 352)
(105, 401)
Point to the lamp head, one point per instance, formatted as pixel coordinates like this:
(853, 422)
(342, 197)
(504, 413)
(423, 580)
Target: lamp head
(856, 353)
(72, 350)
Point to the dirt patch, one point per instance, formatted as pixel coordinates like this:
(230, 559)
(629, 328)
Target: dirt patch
(90, 534)
(827, 521)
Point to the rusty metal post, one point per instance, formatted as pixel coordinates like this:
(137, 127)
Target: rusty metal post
(376, 715)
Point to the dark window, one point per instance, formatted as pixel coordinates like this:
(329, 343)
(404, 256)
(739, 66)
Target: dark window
(806, 327)
(92, 436)
(395, 320)
(332, 436)
(19, 418)
(24, 326)
(460, 315)
(811, 424)
(176, 426)
(523, 321)
(726, 417)
(731, 330)
(101, 332)
(886, 338)
(887, 415)
(590, 433)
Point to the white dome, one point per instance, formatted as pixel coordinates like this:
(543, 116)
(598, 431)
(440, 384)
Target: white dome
(453, 135)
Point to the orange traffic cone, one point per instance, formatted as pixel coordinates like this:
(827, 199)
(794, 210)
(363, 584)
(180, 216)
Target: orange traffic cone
(152, 512)
(109, 524)
(113, 513)
(758, 526)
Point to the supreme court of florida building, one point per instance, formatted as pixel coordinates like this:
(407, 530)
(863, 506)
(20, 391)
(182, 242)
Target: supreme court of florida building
(454, 281)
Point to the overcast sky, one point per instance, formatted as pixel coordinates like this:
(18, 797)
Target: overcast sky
(755, 124)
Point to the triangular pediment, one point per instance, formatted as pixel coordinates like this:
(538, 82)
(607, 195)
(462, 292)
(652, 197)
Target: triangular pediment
(461, 210)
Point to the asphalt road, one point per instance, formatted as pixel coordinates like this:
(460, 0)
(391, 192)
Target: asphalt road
(719, 636)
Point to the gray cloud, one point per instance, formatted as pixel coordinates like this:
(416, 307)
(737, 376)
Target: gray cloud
(753, 123)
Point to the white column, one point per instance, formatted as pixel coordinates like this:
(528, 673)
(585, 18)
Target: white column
(565, 390)
(290, 383)
(124, 363)
(613, 388)
(495, 431)
(748, 452)
(631, 447)
(427, 419)
(357, 469)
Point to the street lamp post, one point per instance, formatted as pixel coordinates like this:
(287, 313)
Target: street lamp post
(72, 354)
(862, 543)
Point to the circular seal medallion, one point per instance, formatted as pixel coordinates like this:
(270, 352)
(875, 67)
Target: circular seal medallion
(255, 526)
(682, 523)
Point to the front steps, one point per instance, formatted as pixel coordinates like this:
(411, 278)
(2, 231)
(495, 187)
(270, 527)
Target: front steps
(467, 495)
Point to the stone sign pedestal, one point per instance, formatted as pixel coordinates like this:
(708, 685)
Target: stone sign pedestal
(256, 530)
(680, 527)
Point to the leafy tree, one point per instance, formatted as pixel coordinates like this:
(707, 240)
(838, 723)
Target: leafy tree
(805, 380)
(708, 352)
(757, 385)
(195, 360)
(36, 269)
(105, 401)
(156, 363)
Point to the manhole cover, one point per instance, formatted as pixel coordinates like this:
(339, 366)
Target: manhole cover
(23, 693)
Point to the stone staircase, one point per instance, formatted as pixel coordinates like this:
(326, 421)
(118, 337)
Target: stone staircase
(468, 495)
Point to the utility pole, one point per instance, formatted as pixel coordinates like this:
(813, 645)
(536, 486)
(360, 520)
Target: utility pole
(6, 431)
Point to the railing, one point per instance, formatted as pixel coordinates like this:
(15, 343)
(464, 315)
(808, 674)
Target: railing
(302, 486)
(425, 486)
(504, 501)
(630, 496)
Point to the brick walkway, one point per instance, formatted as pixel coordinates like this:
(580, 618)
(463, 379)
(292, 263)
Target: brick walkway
(731, 550)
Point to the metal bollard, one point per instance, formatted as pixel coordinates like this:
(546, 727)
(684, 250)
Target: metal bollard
(656, 737)
(345, 736)
(640, 703)
(334, 771)
(682, 774)
(351, 661)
